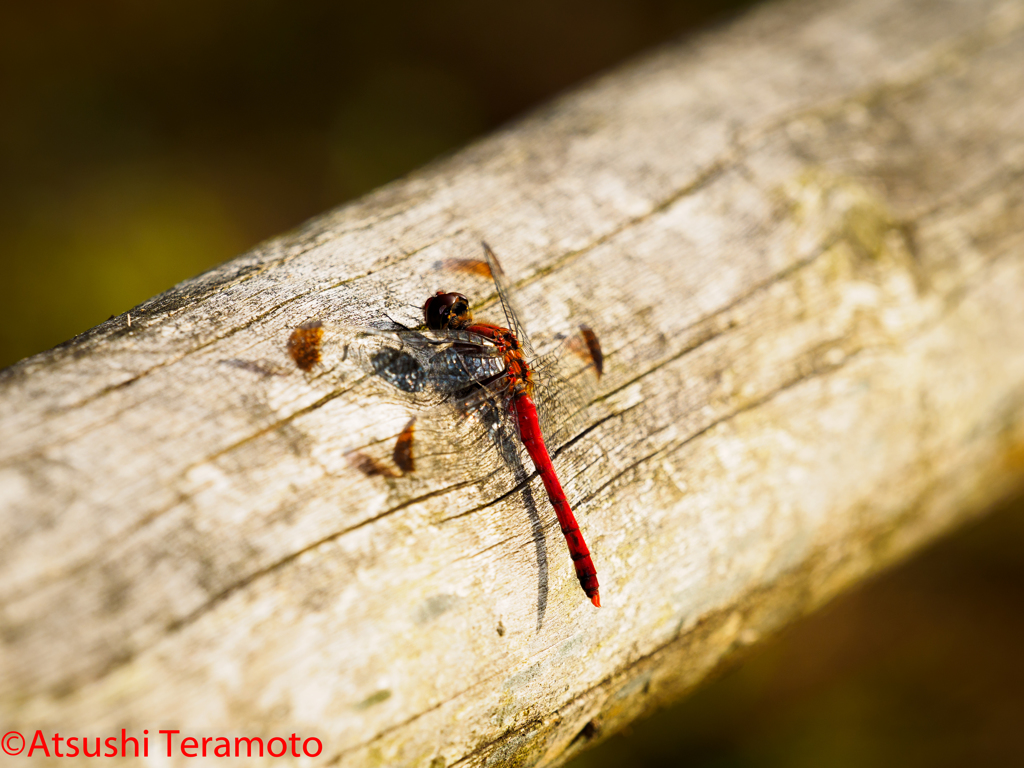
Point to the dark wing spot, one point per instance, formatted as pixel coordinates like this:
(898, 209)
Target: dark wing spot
(477, 267)
(402, 455)
(304, 344)
(593, 349)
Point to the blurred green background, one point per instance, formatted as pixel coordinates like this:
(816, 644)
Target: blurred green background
(141, 143)
(144, 142)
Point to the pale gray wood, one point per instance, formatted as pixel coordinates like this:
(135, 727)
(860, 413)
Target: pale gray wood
(800, 239)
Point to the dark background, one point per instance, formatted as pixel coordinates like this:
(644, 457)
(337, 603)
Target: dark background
(141, 143)
(144, 142)
(922, 667)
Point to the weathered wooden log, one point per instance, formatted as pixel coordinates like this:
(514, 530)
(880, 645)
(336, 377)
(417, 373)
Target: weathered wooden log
(800, 238)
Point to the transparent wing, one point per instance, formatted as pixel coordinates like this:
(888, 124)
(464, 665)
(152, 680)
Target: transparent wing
(426, 363)
(566, 378)
(566, 385)
(451, 382)
(506, 295)
(456, 442)
(445, 362)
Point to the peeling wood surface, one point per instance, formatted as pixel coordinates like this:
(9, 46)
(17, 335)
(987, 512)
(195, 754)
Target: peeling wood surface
(800, 238)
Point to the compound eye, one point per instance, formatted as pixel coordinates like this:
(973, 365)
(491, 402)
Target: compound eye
(442, 309)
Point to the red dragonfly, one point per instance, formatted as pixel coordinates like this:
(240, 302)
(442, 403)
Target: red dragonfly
(484, 370)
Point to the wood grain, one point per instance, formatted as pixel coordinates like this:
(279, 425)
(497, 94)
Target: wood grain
(800, 239)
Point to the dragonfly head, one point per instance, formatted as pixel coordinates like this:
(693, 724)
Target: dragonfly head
(447, 310)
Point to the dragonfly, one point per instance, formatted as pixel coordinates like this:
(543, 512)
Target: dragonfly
(484, 372)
